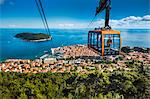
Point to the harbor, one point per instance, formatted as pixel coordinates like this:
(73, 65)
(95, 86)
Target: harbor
(77, 58)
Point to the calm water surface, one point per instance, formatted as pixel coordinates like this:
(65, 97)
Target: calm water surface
(11, 47)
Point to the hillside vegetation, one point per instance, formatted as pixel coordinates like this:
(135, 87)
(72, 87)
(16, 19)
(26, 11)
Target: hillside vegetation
(118, 84)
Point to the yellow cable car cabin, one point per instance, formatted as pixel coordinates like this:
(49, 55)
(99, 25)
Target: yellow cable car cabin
(105, 42)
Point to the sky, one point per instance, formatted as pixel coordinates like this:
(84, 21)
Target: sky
(74, 14)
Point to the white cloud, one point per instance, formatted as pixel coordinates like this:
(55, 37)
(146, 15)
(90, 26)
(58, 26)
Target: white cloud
(132, 18)
(128, 22)
(12, 25)
(146, 18)
(66, 25)
(69, 25)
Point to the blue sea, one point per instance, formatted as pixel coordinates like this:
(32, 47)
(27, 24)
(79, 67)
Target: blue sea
(11, 47)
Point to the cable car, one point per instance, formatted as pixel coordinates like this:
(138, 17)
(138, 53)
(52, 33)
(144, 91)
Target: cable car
(105, 41)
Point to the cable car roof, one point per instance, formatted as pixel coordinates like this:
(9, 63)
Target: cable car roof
(105, 31)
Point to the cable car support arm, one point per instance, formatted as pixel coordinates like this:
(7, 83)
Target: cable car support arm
(104, 5)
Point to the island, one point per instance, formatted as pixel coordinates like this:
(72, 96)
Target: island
(35, 37)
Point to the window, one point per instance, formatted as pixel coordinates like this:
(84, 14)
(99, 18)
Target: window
(111, 44)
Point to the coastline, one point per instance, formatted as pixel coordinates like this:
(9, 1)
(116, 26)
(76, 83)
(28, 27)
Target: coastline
(62, 60)
(33, 37)
(23, 49)
(58, 48)
(41, 40)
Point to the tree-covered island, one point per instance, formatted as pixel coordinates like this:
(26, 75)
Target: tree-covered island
(33, 36)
